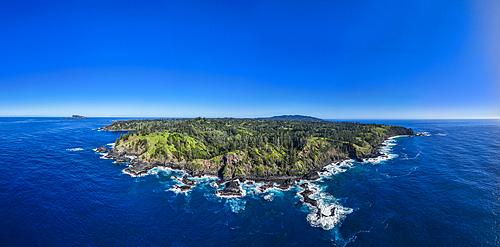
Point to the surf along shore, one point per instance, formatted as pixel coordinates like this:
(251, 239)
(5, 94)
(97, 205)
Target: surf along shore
(231, 184)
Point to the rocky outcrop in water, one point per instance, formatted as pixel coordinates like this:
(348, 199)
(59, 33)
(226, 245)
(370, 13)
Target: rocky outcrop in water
(139, 168)
(232, 189)
(122, 160)
(188, 181)
(306, 193)
(422, 134)
(113, 154)
(102, 149)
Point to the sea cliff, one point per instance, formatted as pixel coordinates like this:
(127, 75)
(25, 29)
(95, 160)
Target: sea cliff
(281, 151)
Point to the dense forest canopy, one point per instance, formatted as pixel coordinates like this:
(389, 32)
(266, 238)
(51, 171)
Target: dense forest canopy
(296, 118)
(250, 146)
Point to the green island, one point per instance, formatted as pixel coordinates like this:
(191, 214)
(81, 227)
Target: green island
(282, 149)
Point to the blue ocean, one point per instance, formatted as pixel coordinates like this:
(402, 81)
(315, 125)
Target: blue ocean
(436, 190)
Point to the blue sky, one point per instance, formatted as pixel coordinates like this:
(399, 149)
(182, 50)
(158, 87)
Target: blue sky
(329, 59)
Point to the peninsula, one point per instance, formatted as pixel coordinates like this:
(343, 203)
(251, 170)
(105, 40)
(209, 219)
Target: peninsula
(282, 149)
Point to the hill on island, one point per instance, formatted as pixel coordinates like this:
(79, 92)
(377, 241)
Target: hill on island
(230, 147)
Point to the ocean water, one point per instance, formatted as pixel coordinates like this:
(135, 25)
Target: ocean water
(438, 190)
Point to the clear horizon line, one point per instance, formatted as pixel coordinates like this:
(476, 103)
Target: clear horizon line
(132, 116)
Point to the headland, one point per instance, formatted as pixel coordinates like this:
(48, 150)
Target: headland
(278, 151)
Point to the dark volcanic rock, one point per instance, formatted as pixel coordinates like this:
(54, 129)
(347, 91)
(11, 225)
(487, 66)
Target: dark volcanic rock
(220, 183)
(183, 188)
(122, 160)
(321, 214)
(264, 187)
(138, 168)
(313, 175)
(232, 189)
(203, 172)
(102, 149)
(113, 154)
(176, 166)
(306, 194)
(188, 181)
(286, 184)
(131, 154)
(267, 179)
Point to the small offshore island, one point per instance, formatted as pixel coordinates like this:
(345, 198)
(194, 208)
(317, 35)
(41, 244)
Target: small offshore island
(278, 151)
(75, 117)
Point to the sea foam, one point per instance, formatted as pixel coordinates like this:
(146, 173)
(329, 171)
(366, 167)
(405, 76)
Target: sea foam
(326, 203)
(385, 150)
(336, 168)
(236, 204)
(328, 222)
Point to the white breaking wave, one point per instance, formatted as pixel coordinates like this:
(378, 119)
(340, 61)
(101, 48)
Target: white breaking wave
(269, 197)
(380, 158)
(157, 169)
(385, 150)
(243, 192)
(336, 168)
(178, 190)
(328, 222)
(74, 149)
(214, 185)
(205, 179)
(332, 213)
(236, 204)
(133, 175)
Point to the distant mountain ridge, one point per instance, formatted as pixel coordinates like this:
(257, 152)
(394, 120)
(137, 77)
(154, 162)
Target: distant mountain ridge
(296, 118)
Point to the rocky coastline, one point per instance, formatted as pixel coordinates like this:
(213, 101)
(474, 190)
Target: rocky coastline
(138, 167)
(232, 186)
